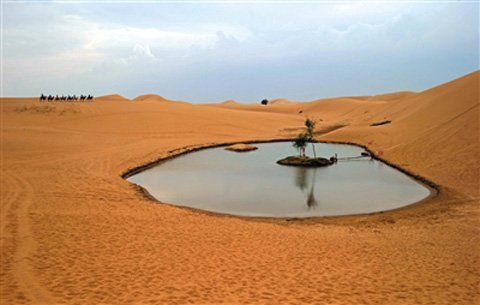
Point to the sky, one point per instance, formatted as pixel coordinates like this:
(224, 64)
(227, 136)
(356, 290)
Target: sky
(215, 51)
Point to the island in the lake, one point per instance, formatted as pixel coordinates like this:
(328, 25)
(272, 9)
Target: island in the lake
(240, 147)
(300, 143)
(305, 161)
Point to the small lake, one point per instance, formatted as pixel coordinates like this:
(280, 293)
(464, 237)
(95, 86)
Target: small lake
(253, 184)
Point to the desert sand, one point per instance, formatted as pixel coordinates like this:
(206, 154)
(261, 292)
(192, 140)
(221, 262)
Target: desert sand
(74, 232)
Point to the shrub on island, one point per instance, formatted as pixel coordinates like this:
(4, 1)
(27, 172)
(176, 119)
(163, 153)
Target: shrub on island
(300, 142)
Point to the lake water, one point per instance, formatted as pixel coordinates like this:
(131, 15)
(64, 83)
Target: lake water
(253, 184)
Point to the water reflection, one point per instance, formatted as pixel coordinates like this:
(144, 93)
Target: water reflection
(311, 201)
(302, 181)
(254, 184)
(301, 177)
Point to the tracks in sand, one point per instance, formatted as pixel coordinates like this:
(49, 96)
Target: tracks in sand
(17, 197)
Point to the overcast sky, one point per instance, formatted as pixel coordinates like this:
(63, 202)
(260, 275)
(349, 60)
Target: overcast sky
(210, 52)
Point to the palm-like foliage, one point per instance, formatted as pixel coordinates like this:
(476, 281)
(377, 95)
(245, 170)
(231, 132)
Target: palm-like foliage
(300, 142)
(310, 128)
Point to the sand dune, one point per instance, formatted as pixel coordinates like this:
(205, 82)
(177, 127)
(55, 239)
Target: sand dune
(445, 118)
(111, 98)
(229, 102)
(281, 101)
(391, 96)
(150, 97)
(74, 232)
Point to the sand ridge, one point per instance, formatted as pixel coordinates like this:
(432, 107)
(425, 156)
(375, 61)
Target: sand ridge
(73, 231)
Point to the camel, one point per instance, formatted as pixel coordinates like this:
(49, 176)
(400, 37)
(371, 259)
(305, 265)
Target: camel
(68, 98)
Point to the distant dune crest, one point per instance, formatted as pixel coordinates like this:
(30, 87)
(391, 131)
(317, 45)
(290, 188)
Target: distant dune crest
(111, 98)
(229, 102)
(281, 101)
(391, 96)
(150, 98)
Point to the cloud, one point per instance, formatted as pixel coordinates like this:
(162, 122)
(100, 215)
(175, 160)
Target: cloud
(116, 36)
(142, 52)
(158, 47)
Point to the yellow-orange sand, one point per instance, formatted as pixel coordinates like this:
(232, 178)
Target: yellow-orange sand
(74, 232)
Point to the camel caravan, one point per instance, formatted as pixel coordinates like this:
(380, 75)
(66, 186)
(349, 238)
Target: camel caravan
(68, 98)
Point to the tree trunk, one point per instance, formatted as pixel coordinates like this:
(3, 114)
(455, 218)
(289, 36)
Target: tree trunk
(314, 152)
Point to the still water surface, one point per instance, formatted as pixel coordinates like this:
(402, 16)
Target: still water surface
(252, 184)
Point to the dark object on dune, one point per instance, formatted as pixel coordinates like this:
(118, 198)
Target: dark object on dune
(264, 101)
(305, 161)
(365, 154)
(381, 123)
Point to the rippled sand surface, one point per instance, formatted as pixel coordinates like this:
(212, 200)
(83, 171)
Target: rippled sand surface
(74, 232)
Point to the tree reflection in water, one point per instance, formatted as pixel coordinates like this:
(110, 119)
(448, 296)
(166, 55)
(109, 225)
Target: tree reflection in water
(302, 181)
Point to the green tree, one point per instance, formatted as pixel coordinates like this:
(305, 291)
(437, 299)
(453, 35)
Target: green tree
(310, 129)
(300, 143)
